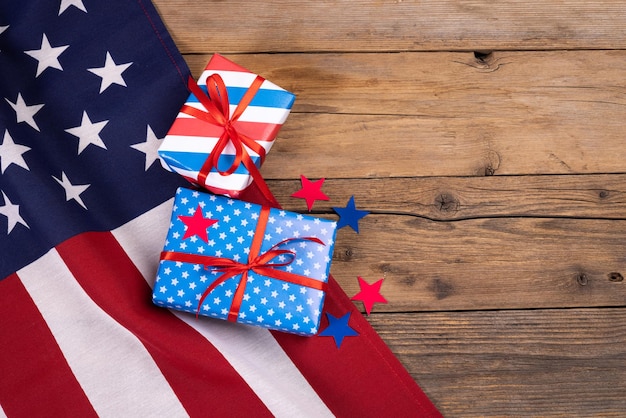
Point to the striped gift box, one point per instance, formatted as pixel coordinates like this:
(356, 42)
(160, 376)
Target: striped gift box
(190, 141)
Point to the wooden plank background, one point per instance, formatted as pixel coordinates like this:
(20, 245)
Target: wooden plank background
(487, 140)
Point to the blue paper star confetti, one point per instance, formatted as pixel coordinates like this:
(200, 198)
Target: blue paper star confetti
(350, 215)
(338, 328)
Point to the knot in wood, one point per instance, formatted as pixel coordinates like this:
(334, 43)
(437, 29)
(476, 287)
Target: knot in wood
(489, 170)
(485, 62)
(582, 279)
(384, 268)
(483, 57)
(446, 203)
(616, 277)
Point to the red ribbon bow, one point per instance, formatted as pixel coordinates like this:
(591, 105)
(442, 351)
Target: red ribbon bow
(258, 263)
(218, 113)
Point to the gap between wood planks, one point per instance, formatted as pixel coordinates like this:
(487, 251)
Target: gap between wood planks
(447, 199)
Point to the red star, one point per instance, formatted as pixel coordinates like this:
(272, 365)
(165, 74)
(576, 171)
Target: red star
(369, 294)
(197, 225)
(311, 191)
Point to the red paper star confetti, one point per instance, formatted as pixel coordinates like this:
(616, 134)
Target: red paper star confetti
(197, 225)
(369, 294)
(310, 191)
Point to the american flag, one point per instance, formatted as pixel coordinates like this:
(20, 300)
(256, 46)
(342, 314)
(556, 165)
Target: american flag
(87, 90)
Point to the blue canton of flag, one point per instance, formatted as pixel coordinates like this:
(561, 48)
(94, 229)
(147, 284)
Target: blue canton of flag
(216, 226)
(78, 130)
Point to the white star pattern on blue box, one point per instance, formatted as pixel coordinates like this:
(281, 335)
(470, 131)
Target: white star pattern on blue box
(267, 302)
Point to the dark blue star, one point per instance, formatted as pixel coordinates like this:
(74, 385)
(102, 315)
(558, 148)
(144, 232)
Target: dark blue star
(350, 215)
(338, 328)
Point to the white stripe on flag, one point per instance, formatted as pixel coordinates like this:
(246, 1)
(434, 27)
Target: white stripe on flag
(259, 114)
(253, 352)
(237, 79)
(114, 369)
(2, 414)
(258, 358)
(204, 145)
(143, 238)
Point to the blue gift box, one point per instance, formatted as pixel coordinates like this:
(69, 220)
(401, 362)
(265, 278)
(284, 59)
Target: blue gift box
(242, 262)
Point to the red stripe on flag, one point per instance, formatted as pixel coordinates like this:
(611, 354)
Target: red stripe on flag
(372, 380)
(35, 378)
(200, 376)
(197, 127)
(361, 378)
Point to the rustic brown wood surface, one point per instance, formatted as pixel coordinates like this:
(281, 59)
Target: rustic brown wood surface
(487, 140)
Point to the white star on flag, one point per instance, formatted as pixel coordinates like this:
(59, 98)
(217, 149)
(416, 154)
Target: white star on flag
(12, 213)
(72, 191)
(149, 147)
(67, 3)
(47, 56)
(12, 153)
(88, 133)
(24, 112)
(111, 73)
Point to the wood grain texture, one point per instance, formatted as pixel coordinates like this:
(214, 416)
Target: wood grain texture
(446, 114)
(600, 196)
(487, 140)
(481, 242)
(396, 25)
(494, 263)
(514, 363)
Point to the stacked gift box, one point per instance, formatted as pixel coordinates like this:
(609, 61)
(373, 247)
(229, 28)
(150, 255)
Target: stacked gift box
(256, 108)
(227, 258)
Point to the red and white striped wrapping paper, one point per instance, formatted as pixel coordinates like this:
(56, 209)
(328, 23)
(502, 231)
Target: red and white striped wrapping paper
(190, 140)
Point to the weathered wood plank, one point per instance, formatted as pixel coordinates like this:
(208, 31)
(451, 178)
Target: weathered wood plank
(360, 25)
(527, 85)
(377, 125)
(446, 114)
(348, 146)
(599, 196)
(498, 263)
(514, 363)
